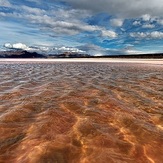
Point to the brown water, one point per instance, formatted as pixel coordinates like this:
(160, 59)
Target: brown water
(81, 113)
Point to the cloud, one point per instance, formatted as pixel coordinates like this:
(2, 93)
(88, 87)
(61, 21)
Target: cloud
(67, 49)
(148, 26)
(59, 22)
(121, 8)
(33, 10)
(132, 52)
(108, 33)
(147, 35)
(136, 23)
(5, 3)
(71, 14)
(42, 49)
(21, 46)
(116, 22)
(156, 35)
(68, 27)
(36, 1)
(96, 50)
(91, 49)
(18, 46)
(146, 17)
(160, 21)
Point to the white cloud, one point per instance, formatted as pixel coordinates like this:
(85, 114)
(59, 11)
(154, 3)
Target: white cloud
(116, 22)
(99, 51)
(67, 49)
(71, 14)
(132, 52)
(156, 35)
(93, 49)
(5, 3)
(136, 23)
(147, 35)
(2, 14)
(71, 27)
(42, 49)
(146, 17)
(74, 28)
(32, 10)
(138, 35)
(148, 26)
(21, 46)
(107, 33)
(59, 22)
(16, 46)
(8, 45)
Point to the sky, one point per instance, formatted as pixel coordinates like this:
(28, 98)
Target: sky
(95, 27)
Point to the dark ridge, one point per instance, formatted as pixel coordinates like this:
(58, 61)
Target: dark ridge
(26, 54)
(156, 56)
(69, 55)
(20, 54)
(76, 55)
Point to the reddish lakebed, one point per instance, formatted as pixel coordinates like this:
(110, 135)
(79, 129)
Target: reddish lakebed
(81, 112)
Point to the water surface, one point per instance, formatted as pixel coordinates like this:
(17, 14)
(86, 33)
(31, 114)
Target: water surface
(81, 112)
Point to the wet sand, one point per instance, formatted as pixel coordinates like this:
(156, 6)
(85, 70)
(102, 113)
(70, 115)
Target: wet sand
(86, 112)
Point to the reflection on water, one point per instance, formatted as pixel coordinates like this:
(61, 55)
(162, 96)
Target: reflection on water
(81, 112)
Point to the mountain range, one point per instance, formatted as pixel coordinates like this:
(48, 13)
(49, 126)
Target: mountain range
(26, 54)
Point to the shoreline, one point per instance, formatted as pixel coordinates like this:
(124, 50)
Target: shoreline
(103, 60)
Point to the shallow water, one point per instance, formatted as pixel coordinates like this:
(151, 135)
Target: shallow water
(81, 112)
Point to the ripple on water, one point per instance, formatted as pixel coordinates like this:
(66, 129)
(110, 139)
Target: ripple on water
(81, 112)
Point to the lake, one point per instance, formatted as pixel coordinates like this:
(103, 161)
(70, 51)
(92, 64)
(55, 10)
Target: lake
(81, 112)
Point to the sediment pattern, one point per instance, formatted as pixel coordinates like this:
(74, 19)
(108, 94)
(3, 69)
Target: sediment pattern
(81, 112)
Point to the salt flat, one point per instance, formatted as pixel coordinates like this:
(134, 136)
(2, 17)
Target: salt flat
(116, 60)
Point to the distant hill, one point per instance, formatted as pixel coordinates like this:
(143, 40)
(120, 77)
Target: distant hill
(26, 54)
(20, 54)
(145, 56)
(77, 55)
(69, 55)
